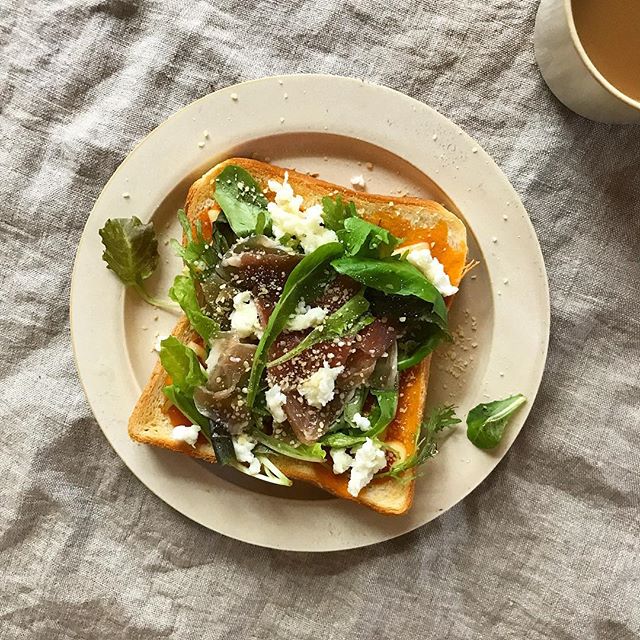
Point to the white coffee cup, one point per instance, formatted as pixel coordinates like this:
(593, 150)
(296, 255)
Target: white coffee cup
(569, 73)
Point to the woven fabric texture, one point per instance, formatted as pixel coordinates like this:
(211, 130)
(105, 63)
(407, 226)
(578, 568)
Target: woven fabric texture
(547, 547)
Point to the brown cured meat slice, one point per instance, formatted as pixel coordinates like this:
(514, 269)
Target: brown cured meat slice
(338, 291)
(264, 274)
(222, 398)
(370, 344)
(357, 354)
(308, 423)
(289, 374)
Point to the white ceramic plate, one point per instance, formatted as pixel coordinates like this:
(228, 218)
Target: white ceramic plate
(333, 126)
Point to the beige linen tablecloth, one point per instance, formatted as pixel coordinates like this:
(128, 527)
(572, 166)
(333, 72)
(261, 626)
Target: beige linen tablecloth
(547, 547)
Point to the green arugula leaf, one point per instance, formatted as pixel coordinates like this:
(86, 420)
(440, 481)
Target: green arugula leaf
(309, 453)
(366, 240)
(131, 252)
(355, 405)
(426, 446)
(335, 212)
(347, 320)
(182, 364)
(199, 254)
(345, 422)
(384, 413)
(184, 293)
(220, 440)
(184, 403)
(341, 439)
(416, 322)
(242, 201)
(486, 423)
(393, 276)
(441, 418)
(131, 249)
(381, 416)
(412, 355)
(302, 281)
(216, 435)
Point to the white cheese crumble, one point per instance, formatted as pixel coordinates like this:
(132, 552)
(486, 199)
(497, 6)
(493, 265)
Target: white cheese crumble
(243, 446)
(358, 182)
(244, 317)
(341, 460)
(369, 459)
(362, 422)
(419, 255)
(319, 388)
(275, 399)
(157, 345)
(306, 317)
(189, 434)
(287, 218)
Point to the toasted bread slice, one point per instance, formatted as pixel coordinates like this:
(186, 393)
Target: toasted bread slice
(412, 219)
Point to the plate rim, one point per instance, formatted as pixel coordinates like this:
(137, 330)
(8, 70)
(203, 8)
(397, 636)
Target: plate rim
(495, 169)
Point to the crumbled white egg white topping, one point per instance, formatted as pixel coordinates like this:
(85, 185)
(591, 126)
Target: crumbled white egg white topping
(362, 422)
(341, 460)
(287, 218)
(358, 182)
(275, 399)
(419, 255)
(244, 317)
(188, 434)
(369, 459)
(319, 388)
(306, 317)
(243, 446)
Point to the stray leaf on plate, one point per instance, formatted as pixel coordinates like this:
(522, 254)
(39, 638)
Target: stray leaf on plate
(486, 422)
(131, 249)
(131, 252)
